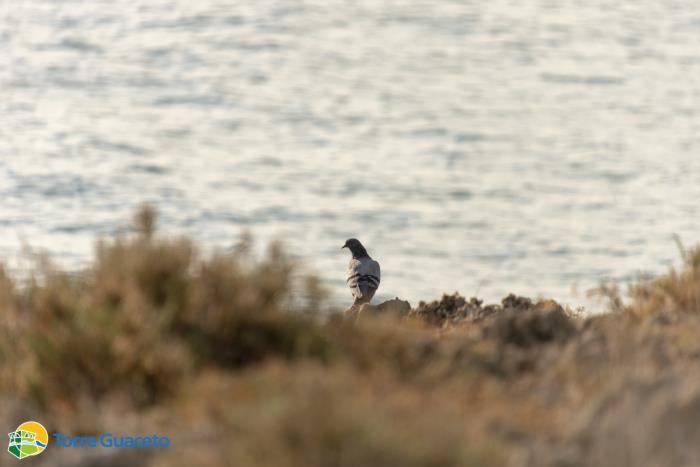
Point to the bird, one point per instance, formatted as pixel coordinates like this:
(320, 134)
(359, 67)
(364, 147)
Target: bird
(363, 273)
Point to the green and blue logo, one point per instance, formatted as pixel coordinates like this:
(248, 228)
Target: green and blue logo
(29, 439)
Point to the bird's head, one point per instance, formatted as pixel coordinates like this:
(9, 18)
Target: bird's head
(355, 247)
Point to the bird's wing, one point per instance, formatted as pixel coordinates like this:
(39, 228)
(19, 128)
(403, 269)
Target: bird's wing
(371, 273)
(352, 278)
(369, 281)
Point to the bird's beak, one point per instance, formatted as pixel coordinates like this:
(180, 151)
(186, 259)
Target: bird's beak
(344, 246)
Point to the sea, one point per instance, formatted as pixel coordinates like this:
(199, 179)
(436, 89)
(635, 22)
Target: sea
(535, 147)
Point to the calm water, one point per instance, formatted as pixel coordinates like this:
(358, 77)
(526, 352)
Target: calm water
(534, 147)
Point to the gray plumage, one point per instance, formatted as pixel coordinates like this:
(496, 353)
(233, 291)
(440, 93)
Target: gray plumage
(363, 273)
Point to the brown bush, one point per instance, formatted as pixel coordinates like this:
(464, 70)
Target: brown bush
(225, 351)
(144, 314)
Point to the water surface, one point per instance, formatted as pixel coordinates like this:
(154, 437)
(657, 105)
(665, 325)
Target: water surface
(533, 147)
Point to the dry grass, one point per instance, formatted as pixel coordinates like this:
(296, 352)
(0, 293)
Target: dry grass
(144, 316)
(226, 354)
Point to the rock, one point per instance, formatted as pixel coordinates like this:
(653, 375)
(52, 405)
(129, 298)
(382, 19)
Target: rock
(394, 306)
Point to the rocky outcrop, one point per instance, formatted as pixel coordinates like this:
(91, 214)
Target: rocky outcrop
(395, 306)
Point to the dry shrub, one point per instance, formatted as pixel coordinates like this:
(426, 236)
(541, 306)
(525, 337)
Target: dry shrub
(674, 292)
(643, 422)
(516, 321)
(238, 314)
(545, 321)
(383, 341)
(108, 328)
(307, 416)
(450, 309)
(146, 313)
(224, 352)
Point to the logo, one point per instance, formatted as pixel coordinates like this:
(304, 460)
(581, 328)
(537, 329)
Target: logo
(29, 439)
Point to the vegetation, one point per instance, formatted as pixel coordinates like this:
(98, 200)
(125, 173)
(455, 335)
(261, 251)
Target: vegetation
(230, 356)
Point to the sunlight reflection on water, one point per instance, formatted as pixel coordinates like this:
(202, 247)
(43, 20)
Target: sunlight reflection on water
(482, 147)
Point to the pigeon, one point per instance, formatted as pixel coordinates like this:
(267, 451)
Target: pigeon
(363, 273)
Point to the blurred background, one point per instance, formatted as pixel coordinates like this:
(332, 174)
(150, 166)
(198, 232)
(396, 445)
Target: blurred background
(533, 147)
